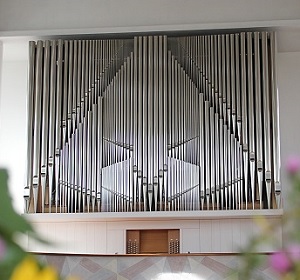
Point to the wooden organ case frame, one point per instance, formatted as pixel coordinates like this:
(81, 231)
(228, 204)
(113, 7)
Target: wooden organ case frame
(153, 124)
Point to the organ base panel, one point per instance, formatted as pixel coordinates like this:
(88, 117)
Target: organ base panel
(153, 124)
(108, 233)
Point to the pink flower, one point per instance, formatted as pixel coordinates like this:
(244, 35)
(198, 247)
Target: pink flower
(294, 252)
(283, 261)
(293, 164)
(2, 248)
(280, 262)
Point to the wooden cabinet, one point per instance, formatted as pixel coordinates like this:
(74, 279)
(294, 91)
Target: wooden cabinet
(163, 241)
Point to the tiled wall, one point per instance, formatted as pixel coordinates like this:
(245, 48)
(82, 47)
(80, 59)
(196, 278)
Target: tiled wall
(150, 268)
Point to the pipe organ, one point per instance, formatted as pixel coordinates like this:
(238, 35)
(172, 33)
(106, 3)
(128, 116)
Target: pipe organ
(153, 123)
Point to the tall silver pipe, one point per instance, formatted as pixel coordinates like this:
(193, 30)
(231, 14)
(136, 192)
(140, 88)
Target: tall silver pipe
(122, 88)
(52, 121)
(267, 117)
(37, 123)
(220, 85)
(58, 118)
(222, 163)
(129, 123)
(65, 190)
(65, 102)
(180, 91)
(100, 151)
(169, 166)
(80, 165)
(228, 81)
(94, 159)
(216, 73)
(75, 86)
(212, 156)
(79, 85)
(115, 132)
(70, 205)
(207, 154)
(258, 108)
(76, 168)
(244, 115)
(275, 119)
(135, 116)
(213, 69)
(86, 79)
(64, 172)
(201, 149)
(237, 88)
(140, 143)
(84, 163)
(68, 95)
(229, 167)
(223, 63)
(209, 70)
(205, 70)
(226, 159)
(240, 178)
(150, 108)
(233, 172)
(156, 116)
(165, 123)
(251, 115)
(82, 82)
(145, 119)
(233, 82)
(45, 121)
(30, 125)
(217, 159)
(161, 121)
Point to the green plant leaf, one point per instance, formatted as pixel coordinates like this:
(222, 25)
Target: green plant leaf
(13, 256)
(10, 221)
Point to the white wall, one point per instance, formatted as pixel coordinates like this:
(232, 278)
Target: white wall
(289, 100)
(13, 123)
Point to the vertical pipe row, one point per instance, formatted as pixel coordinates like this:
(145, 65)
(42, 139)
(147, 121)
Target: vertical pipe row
(153, 124)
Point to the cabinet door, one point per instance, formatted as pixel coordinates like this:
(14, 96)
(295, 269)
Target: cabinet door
(190, 240)
(115, 241)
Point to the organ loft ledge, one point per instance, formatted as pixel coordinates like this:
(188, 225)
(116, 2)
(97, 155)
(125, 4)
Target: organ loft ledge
(154, 216)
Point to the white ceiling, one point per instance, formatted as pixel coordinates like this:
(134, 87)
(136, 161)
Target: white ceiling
(20, 19)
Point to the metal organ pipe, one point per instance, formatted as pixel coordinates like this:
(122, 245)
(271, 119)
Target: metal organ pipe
(45, 122)
(275, 120)
(258, 107)
(30, 112)
(153, 123)
(266, 116)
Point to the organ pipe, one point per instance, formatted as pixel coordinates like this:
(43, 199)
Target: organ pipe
(153, 123)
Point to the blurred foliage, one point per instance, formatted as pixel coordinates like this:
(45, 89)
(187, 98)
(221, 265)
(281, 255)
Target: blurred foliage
(15, 262)
(285, 260)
